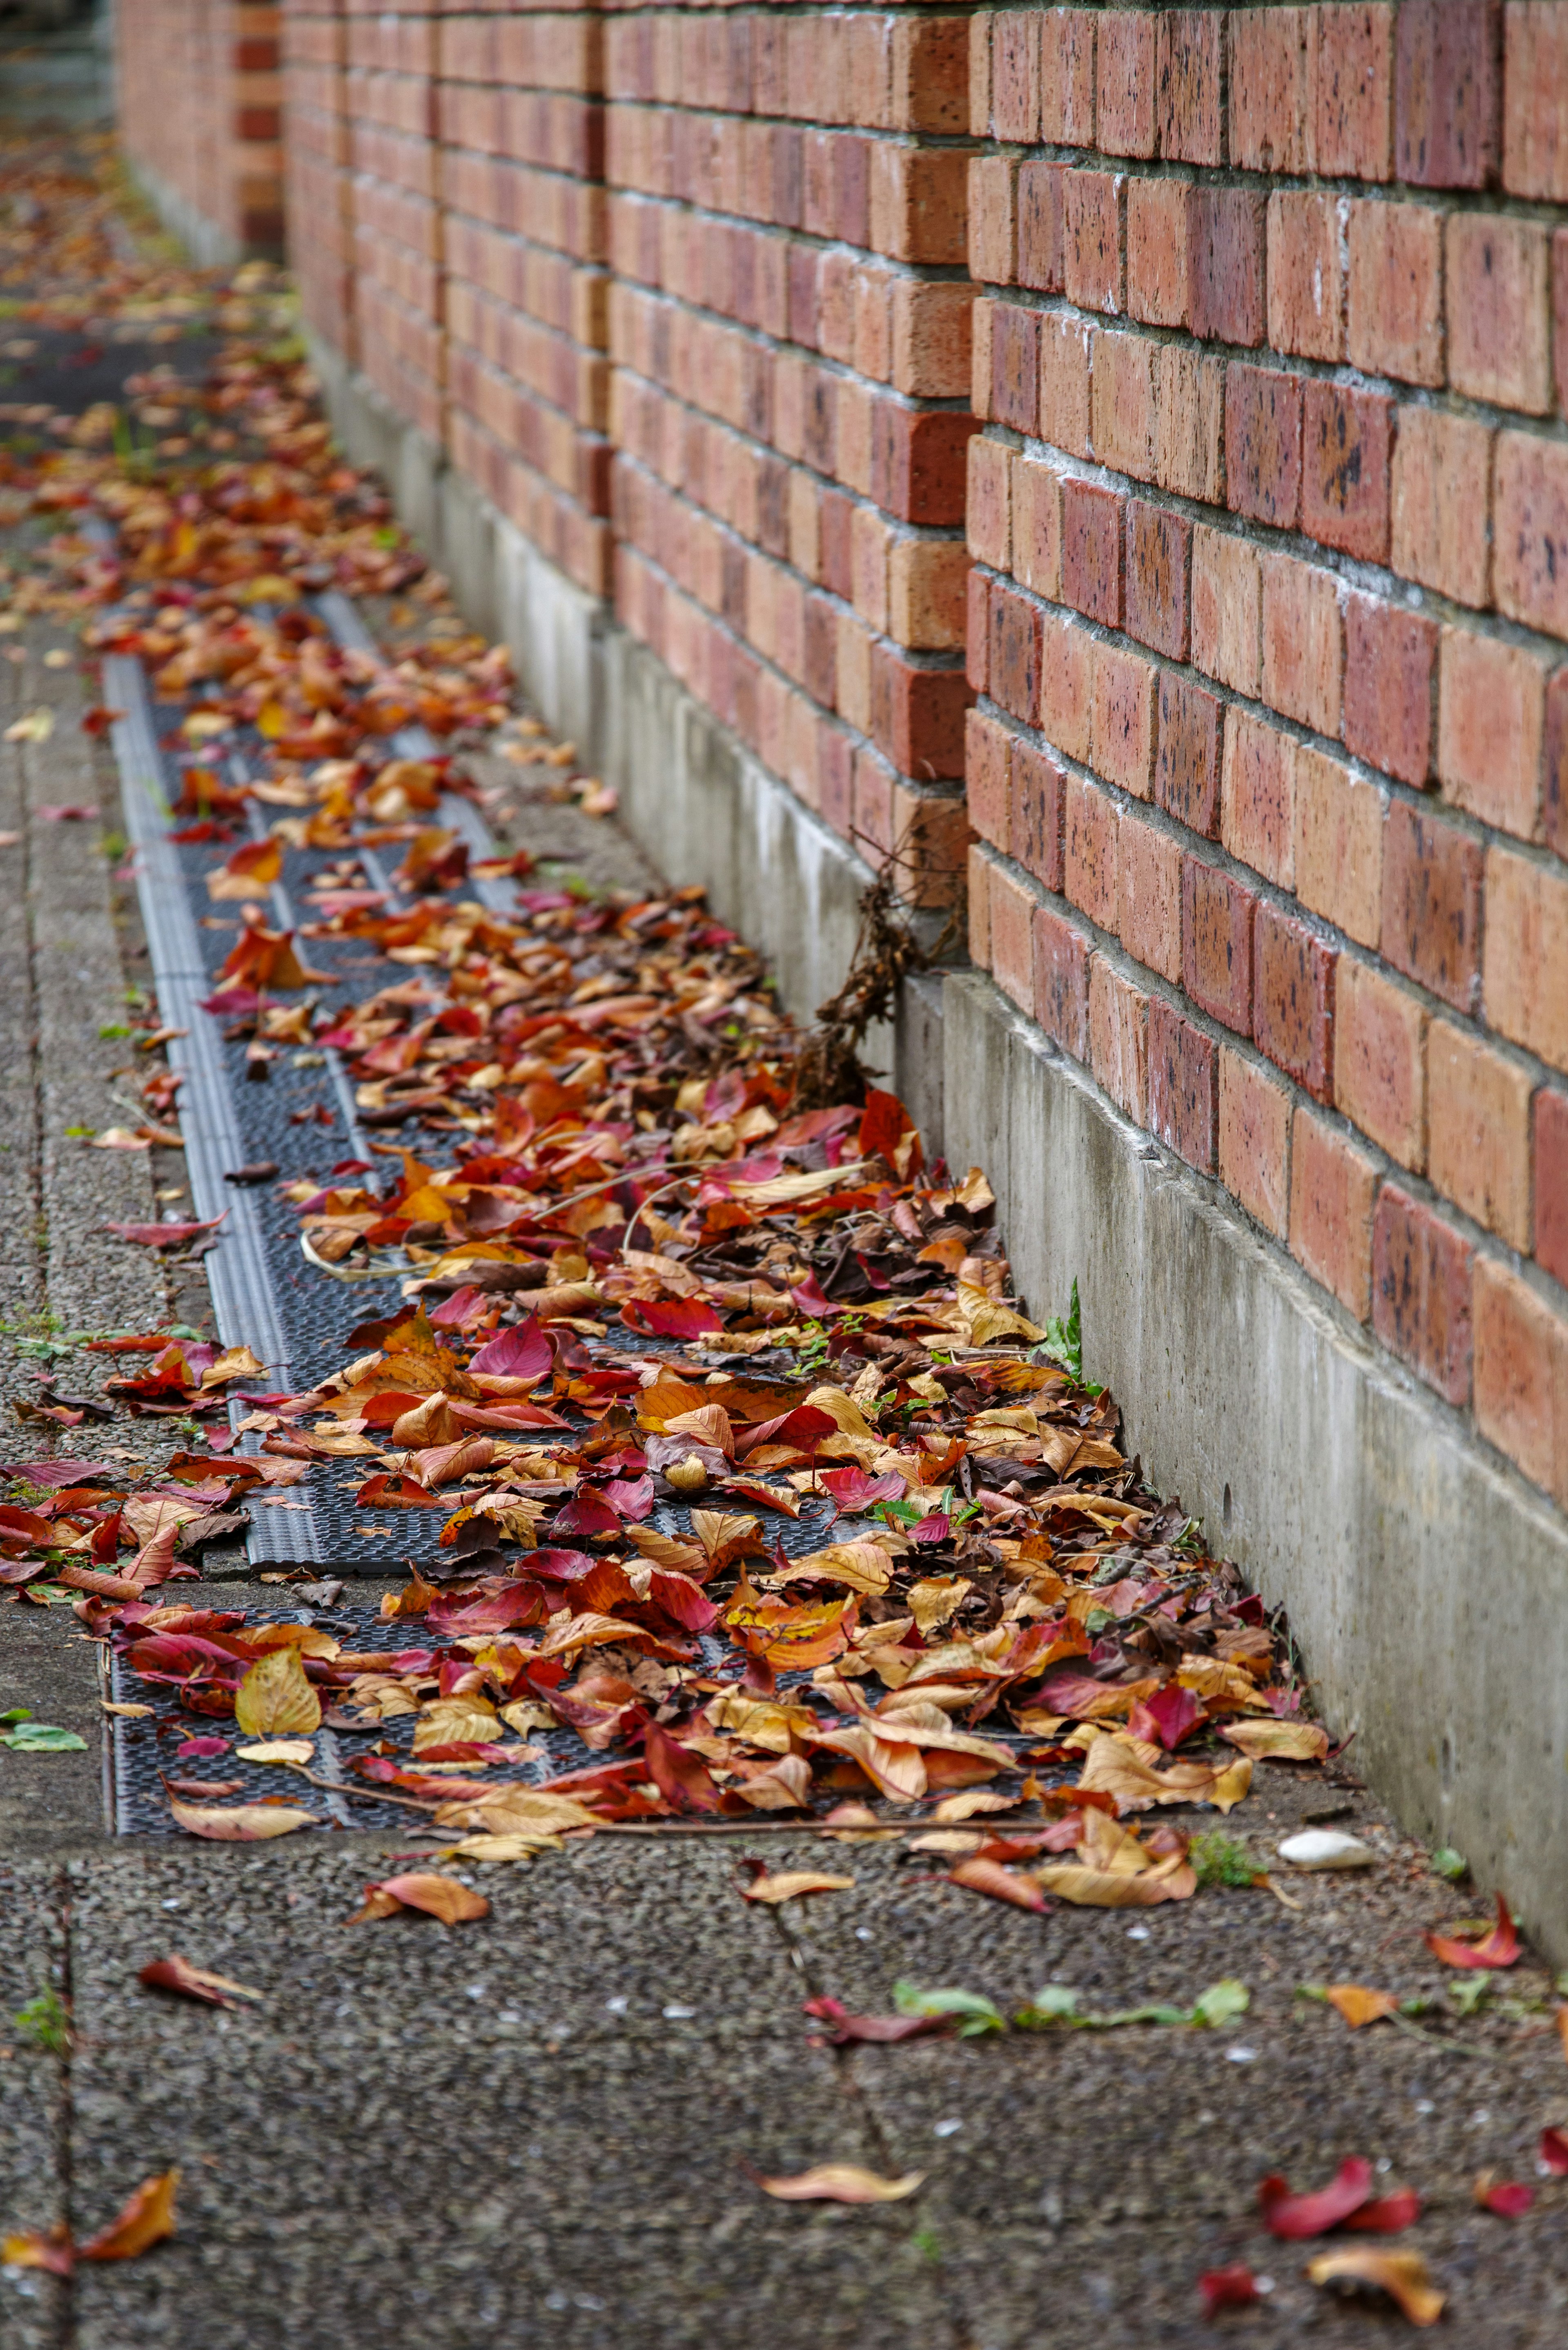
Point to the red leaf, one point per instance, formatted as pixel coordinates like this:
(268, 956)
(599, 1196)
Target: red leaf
(521, 1352)
(1552, 2152)
(884, 1124)
(388, 1492)
(1167, 1716)
(1231, 2288)
(1296, 2216)
(682, 1779)
(1509, 2199)
(1389, 2214)
(681, 1317)
(877, 2028)
(160, 1236)
(1498, 1949)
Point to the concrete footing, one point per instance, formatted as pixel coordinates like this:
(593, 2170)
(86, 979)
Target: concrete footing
(1426, 1585)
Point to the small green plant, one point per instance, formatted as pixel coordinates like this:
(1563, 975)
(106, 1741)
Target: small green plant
(927, 2243)
(114, 1030)
(976, 2015)
(113, 846)
(1448, 1862)
(1057, 2005)
(45, 2021)
(1467, 1993)
(1063, 1345)
(1218, 1859)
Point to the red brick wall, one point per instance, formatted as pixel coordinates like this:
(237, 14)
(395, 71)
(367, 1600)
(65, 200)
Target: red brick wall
(200, 101)
(1270, 529)
(320, 179)
(393, 102)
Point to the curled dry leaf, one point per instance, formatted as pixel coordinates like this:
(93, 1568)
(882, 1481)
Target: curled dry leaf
(1358, 2005)
(1232, 2288)
(1116, 1870)
(1552, 2153)
(841, 2182)
(1500, 1947)
(1404, 2276)
(278, 1750)
(1111, 1768)
(1268, 1741)
(1508, 2199)
(275, 1700)
(178, 1975)
(144, 2219)
(1299, 2216)
(240, 1823)
(991, 1877)
(438, 1897)
(32, 2248)
(792, 1884)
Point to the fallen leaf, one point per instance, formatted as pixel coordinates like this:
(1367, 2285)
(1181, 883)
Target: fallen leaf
(1552, 2153)
(1111, 1768)
(1508, 2199)
(1358, 2005)
(991, 1877)
(1500, 1947)
(1404, 2276)
(1232, 2288)
(146, 2219)
(438, 1897)
(1278, 1741)
(792, 1884)
(34, 726)
(1298, 2215)
(241, 1823)
(177, 1974)
(841, 2182)
(278, 1750)
(275, 1698)
(33, 2249)
(1326, 1848)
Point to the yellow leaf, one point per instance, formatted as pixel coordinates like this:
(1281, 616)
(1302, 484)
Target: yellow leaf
(862, 1567)
(236, 1363)
(240, 1823)
(443, 1898)
(936, 1598)
(792, 1884)
(1111, 1768)
(276, 1750)
(1269, 1741)
(146, 2219)
(1405, 2276)
(842, 2182)
(456, 1720)
(275, 1700)
(36, 727)
(984, 1320)
(1358, 2005)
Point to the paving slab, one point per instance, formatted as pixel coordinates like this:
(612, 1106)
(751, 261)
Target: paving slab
(32, 2093)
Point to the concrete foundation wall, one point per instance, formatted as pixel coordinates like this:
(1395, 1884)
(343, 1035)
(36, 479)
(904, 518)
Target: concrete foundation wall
(1426, 1585)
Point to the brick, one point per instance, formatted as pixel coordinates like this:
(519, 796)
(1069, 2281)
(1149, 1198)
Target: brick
(1550, 1163)
(1303, 642)
(1333, 1184)
(1395, 291)
(1092, 551)
(1066, 345)
(1183, 1087)
(1293, 999)
(980, 115)
(988, 777)
(918, 462)
(1041, 211)
(1421, 1292)
(1346, 437)
(1555, 778)
(1355, 94)
(1441, 497)
(1531, 530)
(1158, 252)
(1189, 71)
(1061, 982)
(1148, 905)
(1432, 904)
(1226, 247)
(1257, 797)
(1390, 672)
(918, 201)
(1013, 662)
(1118, 1039)
(979, 358)
(1158, 549)
(1092, 240)
(1306, 278)
(1037, 525)
(979, 906)
(1034, 825)
(1125, 82)
(1339, 846)
(1479, 1122)
(1264, 444)
(1272, 58)
(930, 74)
(1227, 608)
(976, 637)
(1124, 403)
(1124, 693)
(1524, 960)
(1186, 765)
(1379, 1060)
(931, 334)
(926, 581)
(1016, 366)
(1216, 915)
(1191, 411)
(1011, 910)
(918, 714)
(988, 505)
(1491, 715)
(1500, 344)
(1068, 76)
(1254, 1140)
(1446, 93)
(1090, 861)
(992, 220)
(1067, 691)
(1535, 101)
(1520, 1366)
(1015, 75)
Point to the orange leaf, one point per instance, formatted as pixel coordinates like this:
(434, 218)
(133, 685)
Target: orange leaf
(33, 2250)
(177, 1974)
(438, 1896)
(240, 1823)
(1403, 2275)
(145, 2221)
(1498, 1949)
(1358, 2005)
(841, 2182)
(989, 1876)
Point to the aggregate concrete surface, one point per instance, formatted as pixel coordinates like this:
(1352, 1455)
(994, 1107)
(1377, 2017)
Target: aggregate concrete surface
(545, 2126)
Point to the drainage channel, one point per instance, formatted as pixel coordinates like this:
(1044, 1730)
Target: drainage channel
(263, 1294)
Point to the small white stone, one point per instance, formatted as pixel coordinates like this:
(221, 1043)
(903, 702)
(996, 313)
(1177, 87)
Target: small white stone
(1240, 2055)
(1137, 1933)
(946, 2129)
(678, 2014)
(1327, 1848)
